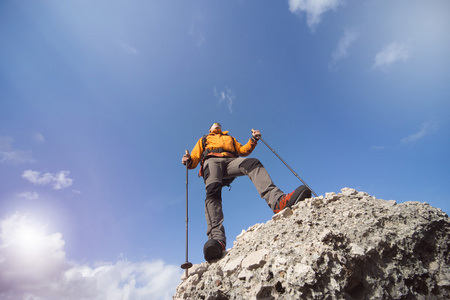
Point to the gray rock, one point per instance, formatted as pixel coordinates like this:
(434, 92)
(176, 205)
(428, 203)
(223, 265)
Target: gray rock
(255, 260)
(342, 246)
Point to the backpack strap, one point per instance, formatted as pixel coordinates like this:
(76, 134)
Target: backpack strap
(202, 159)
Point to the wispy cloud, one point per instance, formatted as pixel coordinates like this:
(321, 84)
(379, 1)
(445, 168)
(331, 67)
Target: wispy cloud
(195, 30)
(29, 195)
(34, 266)
(38, 138)
(128, 48)
(344, 44)
(17, 156)
(425, 129)
(57, 181)
(8, 154)
(227, 96)
(378, 147)
(390, 54)
(314, 9)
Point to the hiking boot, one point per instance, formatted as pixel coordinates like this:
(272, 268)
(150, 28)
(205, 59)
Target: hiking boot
(288, 200)
(213, 249)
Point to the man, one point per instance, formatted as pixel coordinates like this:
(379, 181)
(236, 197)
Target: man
(221, 159)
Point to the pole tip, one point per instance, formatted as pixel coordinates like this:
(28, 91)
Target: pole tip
(186, 265)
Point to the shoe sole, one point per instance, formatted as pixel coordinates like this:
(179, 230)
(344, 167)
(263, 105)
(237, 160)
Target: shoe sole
(300, 194)
(212, 250)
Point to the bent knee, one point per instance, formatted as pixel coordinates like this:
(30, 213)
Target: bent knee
(249, 164)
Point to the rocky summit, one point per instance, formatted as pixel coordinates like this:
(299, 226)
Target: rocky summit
(342, 246)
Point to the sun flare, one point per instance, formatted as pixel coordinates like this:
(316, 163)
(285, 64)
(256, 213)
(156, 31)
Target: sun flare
(27, 244)
(29, 239)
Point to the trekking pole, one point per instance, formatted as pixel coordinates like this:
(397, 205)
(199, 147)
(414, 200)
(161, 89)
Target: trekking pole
(287, 166)
(187, 264)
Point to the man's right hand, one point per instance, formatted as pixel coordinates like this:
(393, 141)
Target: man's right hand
(186, 158)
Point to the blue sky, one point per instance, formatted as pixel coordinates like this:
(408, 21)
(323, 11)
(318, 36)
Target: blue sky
(99, 100)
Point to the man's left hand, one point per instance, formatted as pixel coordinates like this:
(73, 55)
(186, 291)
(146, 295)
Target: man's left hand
(256, 135)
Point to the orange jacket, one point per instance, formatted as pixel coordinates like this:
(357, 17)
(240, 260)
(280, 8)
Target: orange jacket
(220, 141)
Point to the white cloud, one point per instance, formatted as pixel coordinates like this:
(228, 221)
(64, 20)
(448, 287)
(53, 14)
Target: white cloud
(341, 50)
(227, 96)
(33, 265)
(8, 154)
(128, 48)
(57, 181)
(378, 147)
(314, 9)
(195, 30)
(425, 129)
(123, 280)
(39, 138)
(27, 257)
(29, 195)
(16, 156)
(5, 143)
(390, 54)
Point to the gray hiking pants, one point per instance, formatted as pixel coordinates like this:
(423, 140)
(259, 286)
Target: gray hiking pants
(216, 171)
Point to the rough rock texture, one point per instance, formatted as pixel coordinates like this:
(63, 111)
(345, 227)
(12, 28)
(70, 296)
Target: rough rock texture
(341, 246)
